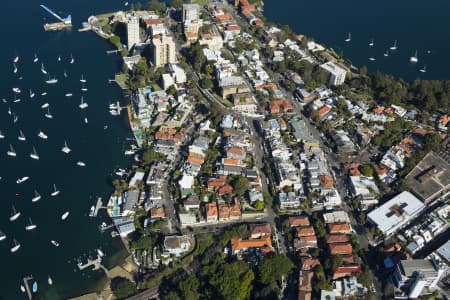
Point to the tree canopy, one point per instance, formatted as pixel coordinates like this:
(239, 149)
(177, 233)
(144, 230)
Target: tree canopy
(122, 287)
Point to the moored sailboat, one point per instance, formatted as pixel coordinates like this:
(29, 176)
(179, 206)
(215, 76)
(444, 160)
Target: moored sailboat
(30, 225)
(14, 215)
(55, 191)
(36, 197)
(34, 154)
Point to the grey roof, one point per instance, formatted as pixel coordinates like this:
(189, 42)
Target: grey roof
(410, 267)
(444, 251)
(131, 199)
(124, 224)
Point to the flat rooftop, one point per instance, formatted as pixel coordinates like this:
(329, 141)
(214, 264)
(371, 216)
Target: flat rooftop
(431, 176)
(396, 212)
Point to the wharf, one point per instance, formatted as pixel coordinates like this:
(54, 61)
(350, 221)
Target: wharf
(27, 287)
(96, 263)
(56, 26)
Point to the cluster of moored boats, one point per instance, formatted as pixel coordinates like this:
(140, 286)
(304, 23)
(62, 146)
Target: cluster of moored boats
(22, 138)
(414, 59)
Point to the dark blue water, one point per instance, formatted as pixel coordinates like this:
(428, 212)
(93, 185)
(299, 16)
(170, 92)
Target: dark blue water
(421, 25)
(102, 150)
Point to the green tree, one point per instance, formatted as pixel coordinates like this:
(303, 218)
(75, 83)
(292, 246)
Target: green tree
(367, 170)
(431, 141)
(240, 184)
(176, 3)
(151, 156)
(259, 205)
(206, 83)
(122, 287)
(172, 90)
(272, 268)
(156, 6)
(189, 288)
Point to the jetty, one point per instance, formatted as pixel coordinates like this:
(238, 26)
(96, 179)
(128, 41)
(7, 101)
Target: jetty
(98, 206)
(96, 263)
(27, 286)
(112, 51)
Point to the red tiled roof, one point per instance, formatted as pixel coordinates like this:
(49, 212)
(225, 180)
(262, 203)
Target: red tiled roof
(157, 212)
(238, 243)
(341, 248)
(336, 238)
(323, 110)
(153, 21)
(262, 229)
(338, 228)
(211, 209)
(326, 181)
(298, 221)
(305, 231)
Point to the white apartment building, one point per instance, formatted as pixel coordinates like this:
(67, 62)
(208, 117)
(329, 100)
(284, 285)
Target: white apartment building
(337, 73)
(132, 31)
(163, 51)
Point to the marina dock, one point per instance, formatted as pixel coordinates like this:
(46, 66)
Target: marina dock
(56, 26)
(96, 263)
(27, 287)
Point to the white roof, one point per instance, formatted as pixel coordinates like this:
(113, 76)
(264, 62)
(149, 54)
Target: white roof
(396, 212)
(138, 176)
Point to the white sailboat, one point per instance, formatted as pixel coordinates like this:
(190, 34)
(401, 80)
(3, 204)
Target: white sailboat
(55, 191)
(43, 69)
(68, 95)
(349, 37)
(21, 136)
(83, 104)
(54, 243)
(11, 151)
(14, 68)
(16, 59)
(51, 80)
(424, 69)
(9, 111)
(15, 247)
(16, 99)
(30, 225)
(2, 236)
(386, 54)
(394, 47)
(42, 135)
(85, 120)
(65, 74)
(22, 179)
(81, 164)
(45, 105)
(16, 90)
(72, 60)
(49, 280)
(43, 93)
(2, 136)
(31, 94)
(34, 154)
(35, 59)
(83, 87)
(48, 115)
(59, 58)
(15, 118)
(82, 79)
(372, 58)
(36, 197)
(371, 43)
(14, 215)
(65, 215)
(414, 59)
(66, 148)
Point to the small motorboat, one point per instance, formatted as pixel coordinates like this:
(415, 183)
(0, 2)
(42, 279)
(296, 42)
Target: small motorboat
(349, 38)
(92, 211)
(45, 105)
(81, 164)
(65, 215)
(68, 95)
(66, 148)
(49, 280)
(55, 243)
(42, 135)
(35, 59)
(22, 288)
(22, 179)
(34, 287)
